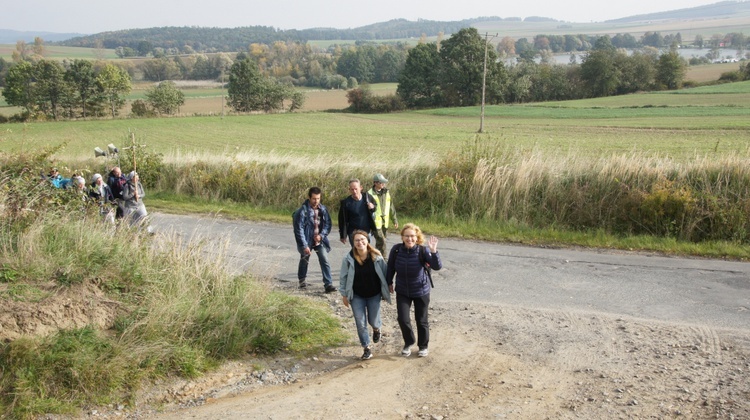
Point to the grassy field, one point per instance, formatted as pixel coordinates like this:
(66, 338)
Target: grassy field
(60, 53)
(687, 28)
(680, 124)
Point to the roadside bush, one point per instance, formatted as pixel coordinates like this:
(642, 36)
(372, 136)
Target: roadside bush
(180, 312)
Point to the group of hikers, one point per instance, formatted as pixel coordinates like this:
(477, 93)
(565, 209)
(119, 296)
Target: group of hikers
(366, 276)
(120, 197)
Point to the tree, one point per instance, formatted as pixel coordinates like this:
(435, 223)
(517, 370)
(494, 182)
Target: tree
(358, 63)
(670, 70)
(598, 71)
(159, 69)
(203, 69)
(144, 47)
(418, 84)
(165, 98)
(4, 67)
(124, 52)
(82, 78)
(506, 47)
(698, 41)
(652, 39)
(50, 89)
(389, 65)
(636, 72)
(525, 50)
(38, 47)
(462, 67)
(244, 80)
(745, 71)
(297, 100)
(22, 52)
(249, 91)
(19, 85)
(114, 83)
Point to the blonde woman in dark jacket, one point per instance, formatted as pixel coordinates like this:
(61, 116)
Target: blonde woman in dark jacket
(407, 261)
(363, 286)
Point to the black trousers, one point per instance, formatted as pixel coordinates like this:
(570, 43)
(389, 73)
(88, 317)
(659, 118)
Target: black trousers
(403, 308)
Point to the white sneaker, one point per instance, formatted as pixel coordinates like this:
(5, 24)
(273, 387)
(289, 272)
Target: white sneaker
(406, 351)
(423, 352)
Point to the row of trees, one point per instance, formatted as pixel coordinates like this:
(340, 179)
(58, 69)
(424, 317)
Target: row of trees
(527, 50)
(452, 75)
(78, 89)
(81, 89)
(292, 62)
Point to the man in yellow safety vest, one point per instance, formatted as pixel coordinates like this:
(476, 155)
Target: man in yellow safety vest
(384, 212)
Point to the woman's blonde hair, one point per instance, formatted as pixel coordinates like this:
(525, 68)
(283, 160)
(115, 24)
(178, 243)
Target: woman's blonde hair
(417, 231)
(370, 249)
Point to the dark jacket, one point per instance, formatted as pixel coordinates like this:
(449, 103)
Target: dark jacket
(102, 197)
(304, 226)
(406, 265)
(355, 215)
(116, 184)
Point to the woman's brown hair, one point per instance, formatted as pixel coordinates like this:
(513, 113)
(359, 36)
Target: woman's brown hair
(370, 249)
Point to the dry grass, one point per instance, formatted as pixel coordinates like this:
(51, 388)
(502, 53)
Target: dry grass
(709, 72)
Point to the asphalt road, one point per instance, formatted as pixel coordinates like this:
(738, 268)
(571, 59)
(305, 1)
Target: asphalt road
(709, 293)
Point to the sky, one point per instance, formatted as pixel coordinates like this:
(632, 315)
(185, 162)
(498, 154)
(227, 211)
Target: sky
(93, 16)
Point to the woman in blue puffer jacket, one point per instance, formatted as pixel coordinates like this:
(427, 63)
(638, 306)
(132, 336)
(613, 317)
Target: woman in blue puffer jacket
(407, 262)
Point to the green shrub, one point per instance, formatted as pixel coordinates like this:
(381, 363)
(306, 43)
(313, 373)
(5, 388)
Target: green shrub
(139, 108)
(179, 313)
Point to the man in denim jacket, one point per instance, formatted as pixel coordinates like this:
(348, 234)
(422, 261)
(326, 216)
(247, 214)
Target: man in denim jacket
(312, 224)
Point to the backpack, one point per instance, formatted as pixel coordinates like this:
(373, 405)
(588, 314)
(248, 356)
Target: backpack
(423, 262)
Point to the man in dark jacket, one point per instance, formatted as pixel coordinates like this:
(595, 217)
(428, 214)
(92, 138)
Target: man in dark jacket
(116, 182)
(355, 212)
(312, 224)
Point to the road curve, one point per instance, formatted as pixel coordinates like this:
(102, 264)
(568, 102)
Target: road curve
(711, 293)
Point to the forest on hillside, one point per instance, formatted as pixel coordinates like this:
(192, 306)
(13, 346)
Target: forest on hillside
(201, 39)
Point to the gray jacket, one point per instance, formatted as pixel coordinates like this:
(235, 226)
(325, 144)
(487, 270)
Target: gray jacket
(346, 283)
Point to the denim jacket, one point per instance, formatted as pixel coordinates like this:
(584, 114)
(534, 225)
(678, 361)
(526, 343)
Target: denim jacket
(346, 283)
(304, 227)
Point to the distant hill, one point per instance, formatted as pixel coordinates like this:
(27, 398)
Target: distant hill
(715, 11)
(8, 36)
(237, 39)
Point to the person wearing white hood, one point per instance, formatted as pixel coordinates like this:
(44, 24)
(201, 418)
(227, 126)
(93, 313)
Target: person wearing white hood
(101, 194)
(132, 195)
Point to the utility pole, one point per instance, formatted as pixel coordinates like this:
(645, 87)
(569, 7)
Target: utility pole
(484, 78)
(223, 97)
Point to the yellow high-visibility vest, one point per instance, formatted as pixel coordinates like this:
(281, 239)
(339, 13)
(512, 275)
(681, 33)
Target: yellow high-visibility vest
(382, 213)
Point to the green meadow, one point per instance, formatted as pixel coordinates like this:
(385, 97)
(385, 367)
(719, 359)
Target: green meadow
(661, 167)
(59, 52)
(694, 121)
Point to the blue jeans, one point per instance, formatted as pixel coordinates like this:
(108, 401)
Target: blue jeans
(325, 266)
(366, 310)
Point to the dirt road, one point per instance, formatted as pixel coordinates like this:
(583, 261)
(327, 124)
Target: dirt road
(517, 332)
